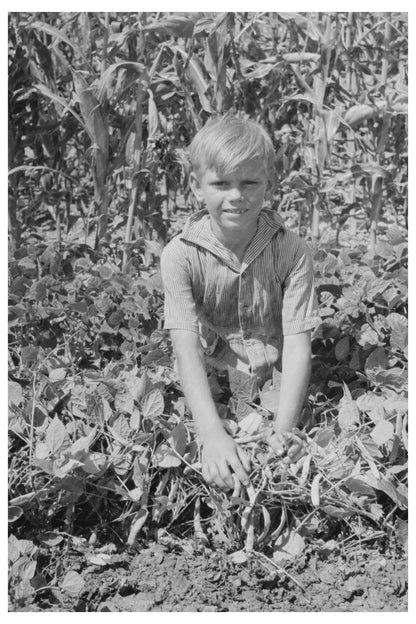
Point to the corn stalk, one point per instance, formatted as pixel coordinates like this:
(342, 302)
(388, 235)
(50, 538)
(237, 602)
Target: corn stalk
(98, 132)
(377, 182)
(138, 121)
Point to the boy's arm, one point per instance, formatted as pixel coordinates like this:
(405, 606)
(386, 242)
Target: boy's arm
(221, 456)
(296, 369)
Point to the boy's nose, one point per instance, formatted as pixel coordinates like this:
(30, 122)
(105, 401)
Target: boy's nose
(234, 193)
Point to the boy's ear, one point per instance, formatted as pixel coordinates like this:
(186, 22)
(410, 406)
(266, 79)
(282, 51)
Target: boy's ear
(196, 186)
(271, 187)
(269, 191)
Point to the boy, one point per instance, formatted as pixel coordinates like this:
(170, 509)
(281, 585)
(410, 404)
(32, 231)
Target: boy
(238, 291)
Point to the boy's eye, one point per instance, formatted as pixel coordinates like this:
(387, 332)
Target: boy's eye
(224, 183)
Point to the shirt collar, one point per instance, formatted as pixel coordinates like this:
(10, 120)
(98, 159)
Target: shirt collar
(197, 227)
(197, 230)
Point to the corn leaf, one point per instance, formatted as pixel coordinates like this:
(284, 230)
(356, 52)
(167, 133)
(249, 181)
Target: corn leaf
(57, 34)
(108, 76)
(175, 25)
(196, 76)
(44, 90)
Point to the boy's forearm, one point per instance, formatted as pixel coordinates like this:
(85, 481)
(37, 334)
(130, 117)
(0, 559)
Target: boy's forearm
(296, 369)
(197, 393)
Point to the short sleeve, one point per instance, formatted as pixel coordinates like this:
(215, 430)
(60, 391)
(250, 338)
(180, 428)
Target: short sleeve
(300, 310)
(179, 308)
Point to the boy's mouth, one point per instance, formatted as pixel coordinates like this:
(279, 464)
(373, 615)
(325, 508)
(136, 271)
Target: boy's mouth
(236, 211)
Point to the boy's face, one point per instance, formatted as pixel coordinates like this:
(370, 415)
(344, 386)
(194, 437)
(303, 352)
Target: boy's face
(235, 199)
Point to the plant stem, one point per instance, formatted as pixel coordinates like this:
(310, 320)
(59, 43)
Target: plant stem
(136, 168)
(275, 565)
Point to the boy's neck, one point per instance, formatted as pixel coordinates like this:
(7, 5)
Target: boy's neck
(235, 241)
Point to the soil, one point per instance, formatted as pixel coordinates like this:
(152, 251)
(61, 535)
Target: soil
(178, 577)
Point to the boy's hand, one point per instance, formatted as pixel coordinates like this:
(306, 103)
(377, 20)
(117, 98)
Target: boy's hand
(221, 458)
(290, 446)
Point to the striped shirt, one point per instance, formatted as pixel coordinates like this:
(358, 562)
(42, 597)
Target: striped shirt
(240, 310)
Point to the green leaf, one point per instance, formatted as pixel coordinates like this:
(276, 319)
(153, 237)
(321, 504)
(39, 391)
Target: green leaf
(349, 414)
(135, 419)
(107, 77)
(402, 532)
(94, 463)
(57, 374)
(252, 423)
(50, 539)
(124, 402)
(121, 429)
(337, 512)
(153, 404)
(164, 457)
(373, 405)
(367, 337)
(122, 463)
(195, 74)
(238, 557)
(62, 470)
(72, 583)
(105, 272)
(241, 410)
(25, 568)
(45, 91)
(289, 545)
(384, 250)
(388, 488)
(377, 359)
(82, 445)
(57, 34)
(396, 405)
(138, 386)
(395, 378)
(55, 435)
(29, 354)
(178, 438)
(14, 513)
(324, 436)
(174, 25)
(358, 113)
(342, 348)
(395, 235)
(27, 547)
(359, 485)
(152, 116)
(94, 122)
(270, 399)
(135, 494)
(382, 432)
(13, 548)
(399, 334)
(100, 559)
(15, 393)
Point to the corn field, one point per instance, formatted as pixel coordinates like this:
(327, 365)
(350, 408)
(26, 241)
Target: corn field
(102, 107)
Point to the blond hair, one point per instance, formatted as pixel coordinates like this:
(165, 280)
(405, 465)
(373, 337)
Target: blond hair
(227, 141)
